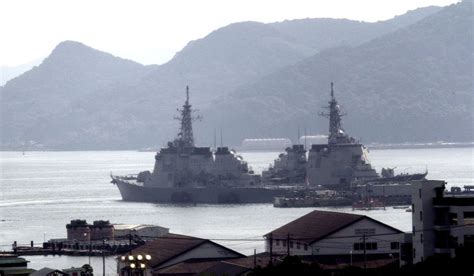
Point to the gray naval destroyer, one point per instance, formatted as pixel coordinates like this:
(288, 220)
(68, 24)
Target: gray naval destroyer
(340, 165)
(184, 173)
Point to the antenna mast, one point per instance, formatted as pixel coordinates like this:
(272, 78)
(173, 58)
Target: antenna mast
(336, 132)
(185, 136)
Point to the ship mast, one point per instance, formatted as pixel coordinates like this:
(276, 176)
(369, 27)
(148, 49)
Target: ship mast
(336, 132)
(185, 136)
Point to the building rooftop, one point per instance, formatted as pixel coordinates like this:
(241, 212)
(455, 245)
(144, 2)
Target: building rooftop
(317, 225)
(134, 226)
(169, 246)
(211, 267)
(48, 271)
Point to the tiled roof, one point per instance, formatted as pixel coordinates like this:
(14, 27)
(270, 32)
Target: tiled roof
(204, 267)
(167, 247)
(47, 271)
(191, 267)
(170, 246)
(225, 268)
(314, 226)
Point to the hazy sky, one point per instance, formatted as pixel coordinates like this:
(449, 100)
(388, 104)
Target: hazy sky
(153, 31)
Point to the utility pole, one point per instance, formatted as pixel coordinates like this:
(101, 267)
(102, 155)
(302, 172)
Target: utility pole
(254, 258)
(215, 140)
(103, 257)
(365, 251)
(271, 249)
(298, 136)
(222, 143)
(288, 244)
(305, 134)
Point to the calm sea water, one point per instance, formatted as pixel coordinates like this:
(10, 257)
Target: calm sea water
(40, 192)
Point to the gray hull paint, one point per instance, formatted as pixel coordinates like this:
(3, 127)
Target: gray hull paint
(205, 195)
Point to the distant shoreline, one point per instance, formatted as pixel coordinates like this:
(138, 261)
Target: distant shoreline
(375, 146)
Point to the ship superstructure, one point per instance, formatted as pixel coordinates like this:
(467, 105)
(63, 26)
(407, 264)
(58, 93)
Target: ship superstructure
(342, 160)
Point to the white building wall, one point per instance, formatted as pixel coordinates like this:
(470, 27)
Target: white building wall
(343, 241)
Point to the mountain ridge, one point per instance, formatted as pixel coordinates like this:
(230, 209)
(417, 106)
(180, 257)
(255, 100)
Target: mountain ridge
(120, 104)
(374, 81)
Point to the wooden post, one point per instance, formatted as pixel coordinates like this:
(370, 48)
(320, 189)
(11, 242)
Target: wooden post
(103, 257)
(254, 258)
(271, 249)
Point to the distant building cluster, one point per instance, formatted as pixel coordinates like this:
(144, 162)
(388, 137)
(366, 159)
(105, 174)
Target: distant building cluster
(309, 140)
(266, 144)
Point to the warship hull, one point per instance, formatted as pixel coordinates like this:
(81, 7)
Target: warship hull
(199, 195)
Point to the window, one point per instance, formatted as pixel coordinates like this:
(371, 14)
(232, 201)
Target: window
(298, 245)
(371, 245)
(394, 245)
(414, 253)
(414, 230)
(284, 243)
(468, 217)
(419, 193)
(421, 238)
(305, 247)
(413, 207)
(368, 246)
(277, 242)
(453, 218)
(421, 216)
(291, 244)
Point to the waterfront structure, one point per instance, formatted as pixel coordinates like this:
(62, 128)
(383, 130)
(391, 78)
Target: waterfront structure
(144, 231)
(323, 233)
(265, 144)
(184, 173)
(313, 140)
(102, 235)
(442, 223)
(170, 250)
(80, 230)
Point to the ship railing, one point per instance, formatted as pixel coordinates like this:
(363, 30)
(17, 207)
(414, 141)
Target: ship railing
(125, 177)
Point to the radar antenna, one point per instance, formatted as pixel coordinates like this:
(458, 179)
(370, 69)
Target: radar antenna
(185, 136)
(336, 132)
